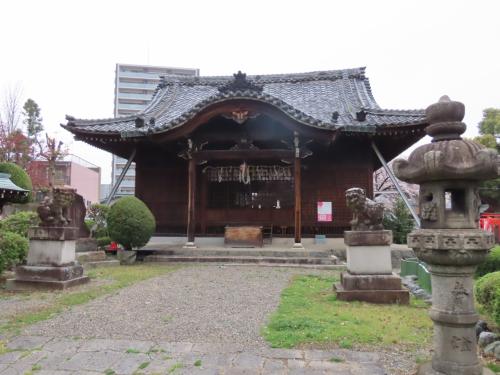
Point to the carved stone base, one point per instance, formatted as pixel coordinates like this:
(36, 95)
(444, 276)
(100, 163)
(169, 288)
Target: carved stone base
(189, 245)
(46, 277)
(53, 233)
(371, 288)
(426, 369)
(400, 296)
(298, 245)
(24, 285)
(370, 282)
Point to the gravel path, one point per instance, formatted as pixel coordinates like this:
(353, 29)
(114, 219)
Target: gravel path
(195, 304)
(214, 305)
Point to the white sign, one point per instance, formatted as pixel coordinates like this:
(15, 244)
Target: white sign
(325, 211)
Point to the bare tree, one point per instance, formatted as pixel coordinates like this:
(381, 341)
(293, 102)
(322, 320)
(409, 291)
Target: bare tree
(11, 107)
(386, 192)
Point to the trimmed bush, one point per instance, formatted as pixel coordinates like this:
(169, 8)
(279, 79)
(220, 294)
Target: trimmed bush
(490, 264)
(400, 221)
(130, 223)
(19, 177)
(13, 249)
(19, 222)
(487, 291)
(103, 241)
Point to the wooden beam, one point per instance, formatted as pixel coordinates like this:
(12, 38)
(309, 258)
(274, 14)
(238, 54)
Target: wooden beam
(243, 154)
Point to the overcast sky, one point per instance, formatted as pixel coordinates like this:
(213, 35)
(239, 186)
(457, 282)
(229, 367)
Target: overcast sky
(63, 53)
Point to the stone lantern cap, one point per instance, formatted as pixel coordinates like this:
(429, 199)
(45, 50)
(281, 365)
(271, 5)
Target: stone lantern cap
(448, 156)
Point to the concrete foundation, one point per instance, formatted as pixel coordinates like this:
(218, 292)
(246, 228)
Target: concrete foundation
(51, 252)
(369, 260)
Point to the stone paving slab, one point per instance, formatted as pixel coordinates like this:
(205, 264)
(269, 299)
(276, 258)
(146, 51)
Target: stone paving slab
(65, 356)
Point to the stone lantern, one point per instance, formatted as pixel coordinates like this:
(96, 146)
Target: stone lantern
(449, 170)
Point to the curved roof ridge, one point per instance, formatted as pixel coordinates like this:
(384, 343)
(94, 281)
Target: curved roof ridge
(84, 122)
(395, 112)
(265, 78)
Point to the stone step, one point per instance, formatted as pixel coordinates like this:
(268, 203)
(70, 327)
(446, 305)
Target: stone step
(101, 263)
(243, 252)
(242, 259)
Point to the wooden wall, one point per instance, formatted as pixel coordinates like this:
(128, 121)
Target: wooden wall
(161, 182)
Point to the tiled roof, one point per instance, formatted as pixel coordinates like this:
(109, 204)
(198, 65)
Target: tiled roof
(7, 184)
(325, 99)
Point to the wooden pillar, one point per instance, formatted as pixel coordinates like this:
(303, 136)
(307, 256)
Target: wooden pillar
(203, 203)
(298, 195)
(191, 221)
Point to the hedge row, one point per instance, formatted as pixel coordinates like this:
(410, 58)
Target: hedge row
(487, 291)
(491, 263)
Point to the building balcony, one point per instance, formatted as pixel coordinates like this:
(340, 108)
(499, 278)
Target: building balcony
(137, 96)
(131, 106)
(137, 85)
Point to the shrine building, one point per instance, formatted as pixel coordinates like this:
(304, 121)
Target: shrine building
(272, 151)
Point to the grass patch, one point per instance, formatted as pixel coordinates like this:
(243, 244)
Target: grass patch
(174, 367)
(197, 363)
(309, 313)
(118, 277)
(494, 367)
(132, 351)
(143, 365)
(109, 372)
(336, 359)
(36, 367)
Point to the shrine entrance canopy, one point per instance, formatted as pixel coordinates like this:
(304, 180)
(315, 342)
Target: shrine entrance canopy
(267, 121)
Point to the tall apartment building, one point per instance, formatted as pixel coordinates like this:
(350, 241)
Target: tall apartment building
(134, 88)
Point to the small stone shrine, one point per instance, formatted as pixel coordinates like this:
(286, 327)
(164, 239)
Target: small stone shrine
(51, 260)
(369, 275)
(449, 171)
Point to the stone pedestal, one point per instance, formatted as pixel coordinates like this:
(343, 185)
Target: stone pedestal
(51, 261)
(369, 274)
(452, 256)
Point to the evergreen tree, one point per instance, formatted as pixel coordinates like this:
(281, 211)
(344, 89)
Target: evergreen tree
(489, 128)
(400, 221)
(33, 120)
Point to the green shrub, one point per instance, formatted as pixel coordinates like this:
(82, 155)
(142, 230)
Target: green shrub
(103, 241)
(490, 264)
(13, 249)
(487, 291)
(20, 222)
(130, 223)
(19, 177)
(98, 214)
(400, 221)
(89, 224)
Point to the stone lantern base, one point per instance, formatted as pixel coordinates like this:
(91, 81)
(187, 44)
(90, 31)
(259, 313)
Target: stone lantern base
(426, 369)
(369, 276)
(51, 261)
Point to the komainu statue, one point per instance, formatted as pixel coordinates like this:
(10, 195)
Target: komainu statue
(367, 214)
(53, 211)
